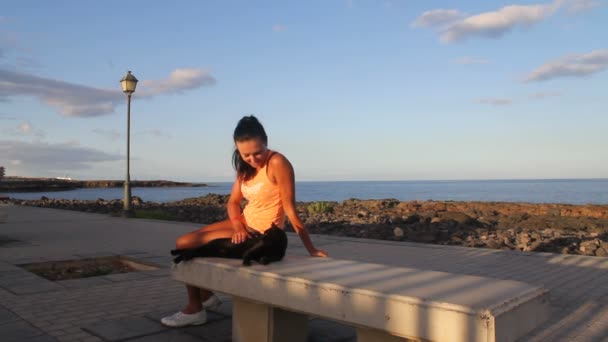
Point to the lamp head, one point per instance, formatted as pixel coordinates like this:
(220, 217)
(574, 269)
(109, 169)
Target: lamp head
(128, 83)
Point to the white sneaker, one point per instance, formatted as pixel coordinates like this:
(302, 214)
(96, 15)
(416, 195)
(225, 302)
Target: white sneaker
(180, 319)
(212, 302)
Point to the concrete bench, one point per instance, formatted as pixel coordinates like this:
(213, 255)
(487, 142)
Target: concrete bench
(384, 303)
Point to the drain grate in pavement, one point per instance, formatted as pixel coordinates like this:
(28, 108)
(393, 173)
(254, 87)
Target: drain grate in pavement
(85, 268)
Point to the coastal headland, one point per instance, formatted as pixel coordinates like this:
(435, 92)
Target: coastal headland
(22, 184)
(525, 227)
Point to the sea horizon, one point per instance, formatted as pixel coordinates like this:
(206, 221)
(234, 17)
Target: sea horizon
(565, 191)
(305, 181)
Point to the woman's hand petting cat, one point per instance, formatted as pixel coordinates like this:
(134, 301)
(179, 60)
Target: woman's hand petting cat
(240, 235)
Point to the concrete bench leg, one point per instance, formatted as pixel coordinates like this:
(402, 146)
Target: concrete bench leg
(255, 322)
(373, 335)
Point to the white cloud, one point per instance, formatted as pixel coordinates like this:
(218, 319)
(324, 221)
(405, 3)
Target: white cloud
(114, 134)
(470, 60)
(154, 132)
(577, 65)
(24, 62)
(575, 6)
(41, 157)
(77, 100)
(496, 101)
(542, 95)
(279, 28)
(437, 17)
(6, 117)
(14, 54)
(10, 39)
(178, 81)
(111, 134)
(24, 129)
(491, 24)
(71, 99)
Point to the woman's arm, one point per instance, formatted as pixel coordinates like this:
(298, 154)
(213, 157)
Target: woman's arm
(285, 179)
(234, 213)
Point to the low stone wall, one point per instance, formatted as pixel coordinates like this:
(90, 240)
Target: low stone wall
(556, 228)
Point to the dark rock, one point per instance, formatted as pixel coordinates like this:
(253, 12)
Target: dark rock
(423, 236)
(415, 218)
(398, 232)
(589, 247)
(494, 244)
(557, 228)
(601, 252)
(458, 217)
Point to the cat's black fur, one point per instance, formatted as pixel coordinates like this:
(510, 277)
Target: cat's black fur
(263, 248)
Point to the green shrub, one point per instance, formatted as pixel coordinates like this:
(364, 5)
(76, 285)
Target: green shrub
(320, 207)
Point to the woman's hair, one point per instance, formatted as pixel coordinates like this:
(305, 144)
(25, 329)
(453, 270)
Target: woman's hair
(248, 128)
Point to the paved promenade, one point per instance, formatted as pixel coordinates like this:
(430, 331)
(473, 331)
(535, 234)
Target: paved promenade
(127, 307)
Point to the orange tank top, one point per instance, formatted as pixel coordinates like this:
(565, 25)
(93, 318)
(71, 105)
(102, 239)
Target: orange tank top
(264, 206)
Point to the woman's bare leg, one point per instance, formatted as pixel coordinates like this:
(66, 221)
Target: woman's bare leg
(218, 230)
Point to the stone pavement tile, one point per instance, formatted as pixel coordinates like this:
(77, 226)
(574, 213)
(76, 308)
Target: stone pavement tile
(126, 276)
(163, 272)
(16, 279)
(94, 255)
(4, 266)
(18, 331)
(27, 260)
(124, 328)
(14, 272)
(593, 333)
(156, 316)
(7, 317)
(564, 323)
(225, 308)
(131, 252)
(30, 286)
(142, 257)
(83, 282)
(218, 331)
(321, 330)
(168, 336)
(41, 338)
(159, 261)
(14, 243)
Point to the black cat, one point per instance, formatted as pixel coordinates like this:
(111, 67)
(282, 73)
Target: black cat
(263, 248)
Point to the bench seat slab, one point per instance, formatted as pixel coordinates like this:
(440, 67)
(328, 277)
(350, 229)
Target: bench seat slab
(404, 302)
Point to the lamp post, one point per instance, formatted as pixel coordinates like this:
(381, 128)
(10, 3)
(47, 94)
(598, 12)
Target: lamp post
(128, 83)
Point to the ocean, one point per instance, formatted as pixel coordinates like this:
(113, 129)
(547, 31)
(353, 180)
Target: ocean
(572, 191)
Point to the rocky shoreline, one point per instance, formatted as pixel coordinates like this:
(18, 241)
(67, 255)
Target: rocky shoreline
(526, 227)
(18, 184)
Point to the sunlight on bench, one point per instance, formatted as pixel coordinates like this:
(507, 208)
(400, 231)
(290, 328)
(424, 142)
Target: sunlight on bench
(384, 303)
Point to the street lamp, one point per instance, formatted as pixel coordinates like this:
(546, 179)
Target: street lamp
(128, 84)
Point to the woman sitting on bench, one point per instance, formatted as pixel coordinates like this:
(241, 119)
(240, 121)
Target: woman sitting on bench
(266, 179)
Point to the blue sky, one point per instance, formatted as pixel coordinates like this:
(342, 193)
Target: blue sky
(347, 90)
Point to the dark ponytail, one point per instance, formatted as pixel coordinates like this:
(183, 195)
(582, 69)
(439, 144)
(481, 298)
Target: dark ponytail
(248, 128)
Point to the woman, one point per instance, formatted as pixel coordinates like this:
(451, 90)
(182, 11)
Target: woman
(266, 179)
